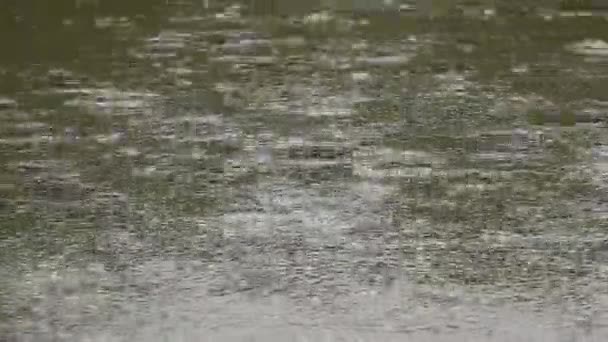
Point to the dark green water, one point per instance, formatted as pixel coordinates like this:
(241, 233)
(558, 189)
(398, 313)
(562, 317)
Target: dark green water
(271, 170)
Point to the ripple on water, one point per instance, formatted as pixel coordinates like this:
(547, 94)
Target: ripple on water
(243, 45)
(246, 60)
(298, 210)
(600, 163)
(589, 47)
(114, 101)
(383, 61)
(386, 163)
(7, 103)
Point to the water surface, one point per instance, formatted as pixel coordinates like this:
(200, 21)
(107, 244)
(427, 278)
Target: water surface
(272, 170)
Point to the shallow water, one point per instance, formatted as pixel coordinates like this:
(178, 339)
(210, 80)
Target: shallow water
(269, 171)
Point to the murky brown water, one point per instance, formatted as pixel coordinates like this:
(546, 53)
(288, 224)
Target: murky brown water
(268, 170)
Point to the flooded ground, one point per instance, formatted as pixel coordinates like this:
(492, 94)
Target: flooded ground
(267, 171)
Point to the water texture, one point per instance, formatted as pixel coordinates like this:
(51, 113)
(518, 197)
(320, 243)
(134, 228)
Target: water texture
(303, 171)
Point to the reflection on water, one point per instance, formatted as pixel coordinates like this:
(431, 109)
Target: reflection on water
(278, 169)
